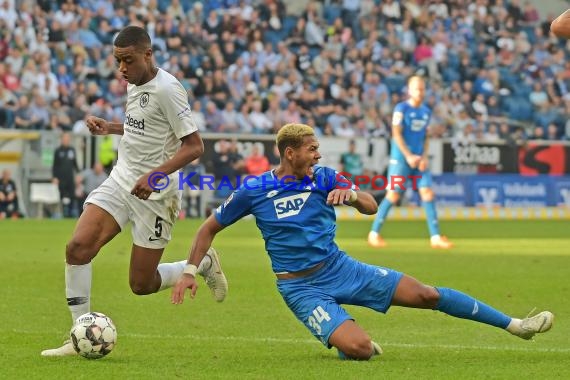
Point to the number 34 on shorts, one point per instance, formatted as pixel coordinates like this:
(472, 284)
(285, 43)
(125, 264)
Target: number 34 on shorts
(318, 317)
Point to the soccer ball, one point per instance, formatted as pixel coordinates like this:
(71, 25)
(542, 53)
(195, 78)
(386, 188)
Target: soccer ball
(93, 335)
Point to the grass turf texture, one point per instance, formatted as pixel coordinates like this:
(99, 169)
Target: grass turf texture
(513, 265)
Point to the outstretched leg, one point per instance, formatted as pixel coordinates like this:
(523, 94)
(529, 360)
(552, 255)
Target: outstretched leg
(412, 293)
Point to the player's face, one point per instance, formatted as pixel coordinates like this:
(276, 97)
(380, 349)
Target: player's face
(133, 64)
(417, 90)
(306, 156)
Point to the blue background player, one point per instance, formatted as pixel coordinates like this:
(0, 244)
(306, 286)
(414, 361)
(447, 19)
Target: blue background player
(294, 209)
(409, 156)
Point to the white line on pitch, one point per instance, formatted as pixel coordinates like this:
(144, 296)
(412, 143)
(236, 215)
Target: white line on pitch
(311, 341)
(314, 341)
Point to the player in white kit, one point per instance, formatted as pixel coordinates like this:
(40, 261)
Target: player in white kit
(158, 118)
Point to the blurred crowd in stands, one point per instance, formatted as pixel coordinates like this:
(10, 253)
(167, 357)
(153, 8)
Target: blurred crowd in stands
(493, 68)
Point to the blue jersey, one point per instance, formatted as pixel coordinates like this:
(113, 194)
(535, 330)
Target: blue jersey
(296, 223)
(414, 122)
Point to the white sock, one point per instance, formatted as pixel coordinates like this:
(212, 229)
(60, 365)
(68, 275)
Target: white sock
(514, 326)
(435, 237)
(78, 289)
(373, 234)
(205, 264)
(169, 273)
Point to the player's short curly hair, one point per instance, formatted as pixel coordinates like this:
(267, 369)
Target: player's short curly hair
(291, 135)
(133, 36)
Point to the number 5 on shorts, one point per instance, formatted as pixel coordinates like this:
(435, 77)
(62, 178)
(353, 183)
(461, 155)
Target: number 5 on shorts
(158, 227)
(319, 315)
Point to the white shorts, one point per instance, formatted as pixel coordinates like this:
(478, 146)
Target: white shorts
(152, 219)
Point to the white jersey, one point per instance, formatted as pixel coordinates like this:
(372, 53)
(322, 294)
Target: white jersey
(157, 117)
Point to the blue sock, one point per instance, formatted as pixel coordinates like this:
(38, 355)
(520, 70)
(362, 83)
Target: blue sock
(342, 355)
(381, 214)
(431, 216)
(461, 305)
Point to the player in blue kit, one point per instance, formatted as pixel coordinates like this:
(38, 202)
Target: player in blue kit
(294, 209)
(409, 156)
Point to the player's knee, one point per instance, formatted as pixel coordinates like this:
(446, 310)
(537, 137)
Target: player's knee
(78, 252)
(429, 296)
(141, 288)
(359, 348)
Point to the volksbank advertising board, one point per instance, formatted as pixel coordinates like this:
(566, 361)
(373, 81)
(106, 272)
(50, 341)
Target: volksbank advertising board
(501, 190)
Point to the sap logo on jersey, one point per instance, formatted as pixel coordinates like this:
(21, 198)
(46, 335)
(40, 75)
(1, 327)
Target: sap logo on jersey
(290, 206)
(132, 122)
(418, 125)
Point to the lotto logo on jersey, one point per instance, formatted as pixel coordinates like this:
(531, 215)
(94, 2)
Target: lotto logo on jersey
(290, 206)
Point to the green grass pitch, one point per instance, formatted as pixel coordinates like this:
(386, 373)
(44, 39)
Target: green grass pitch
(513, 265)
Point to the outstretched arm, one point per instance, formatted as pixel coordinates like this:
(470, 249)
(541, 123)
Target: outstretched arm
(360, 200)
(561, 25)
(200, 246)
(365, 203)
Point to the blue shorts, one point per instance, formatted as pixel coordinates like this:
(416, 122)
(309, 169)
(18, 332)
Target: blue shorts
(403, 169)
(315, 300)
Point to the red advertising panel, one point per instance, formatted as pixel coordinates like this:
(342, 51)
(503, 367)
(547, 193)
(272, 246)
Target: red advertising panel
(543, 159)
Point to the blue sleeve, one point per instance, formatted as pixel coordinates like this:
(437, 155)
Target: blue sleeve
(234, 208)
